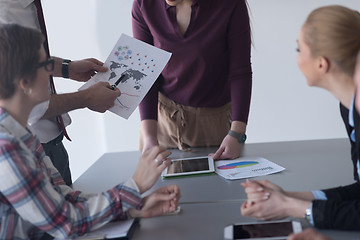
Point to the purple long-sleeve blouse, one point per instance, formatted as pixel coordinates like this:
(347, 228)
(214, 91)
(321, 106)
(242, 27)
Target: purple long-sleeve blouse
(210, 64)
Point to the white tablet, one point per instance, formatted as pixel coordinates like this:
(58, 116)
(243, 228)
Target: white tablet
(262, 230)
(189, 166)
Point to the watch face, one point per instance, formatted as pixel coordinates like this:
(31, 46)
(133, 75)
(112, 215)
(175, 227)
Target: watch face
(308, 214)
(241, 137)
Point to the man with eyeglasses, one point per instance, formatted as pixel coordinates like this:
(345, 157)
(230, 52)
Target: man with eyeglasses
(48, 119)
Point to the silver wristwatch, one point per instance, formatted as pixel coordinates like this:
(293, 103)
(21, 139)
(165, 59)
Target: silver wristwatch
(308, 214)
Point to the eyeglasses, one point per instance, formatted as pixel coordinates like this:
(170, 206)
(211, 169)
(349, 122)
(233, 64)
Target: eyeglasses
(48, 65)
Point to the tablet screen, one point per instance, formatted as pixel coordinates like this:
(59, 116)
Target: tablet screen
(189, 165)
(265, 230)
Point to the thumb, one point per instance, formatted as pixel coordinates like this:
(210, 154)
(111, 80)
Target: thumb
(218, 153)
(161, 197)
(156, 198)
(291, 237)
(117, 92)
(254, 183)
(267, 184)
(167, 197)
(105, 84)
(244, 184)
(98, 66)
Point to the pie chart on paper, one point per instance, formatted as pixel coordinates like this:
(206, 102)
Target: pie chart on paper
(237, 165)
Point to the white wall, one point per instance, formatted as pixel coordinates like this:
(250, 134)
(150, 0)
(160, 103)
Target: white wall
(283, 108)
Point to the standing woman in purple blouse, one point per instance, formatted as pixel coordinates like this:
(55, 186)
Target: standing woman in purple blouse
(202, 97)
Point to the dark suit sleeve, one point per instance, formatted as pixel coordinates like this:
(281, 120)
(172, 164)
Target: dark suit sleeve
(341, 210)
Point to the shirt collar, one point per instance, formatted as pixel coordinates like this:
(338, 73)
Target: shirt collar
(351, 112)
(25, 3)
(11, 125)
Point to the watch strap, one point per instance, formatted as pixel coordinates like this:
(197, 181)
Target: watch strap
(241, 137)
(65, 68)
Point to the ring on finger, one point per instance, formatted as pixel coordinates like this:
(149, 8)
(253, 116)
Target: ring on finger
(159, 162)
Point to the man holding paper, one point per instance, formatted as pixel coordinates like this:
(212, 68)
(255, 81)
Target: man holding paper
(44, 117)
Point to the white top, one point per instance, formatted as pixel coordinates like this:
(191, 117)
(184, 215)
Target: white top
(24, 12)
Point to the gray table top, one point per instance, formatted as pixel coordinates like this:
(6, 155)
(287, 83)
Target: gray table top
(310, 165)
(209, 202)
(206, 221)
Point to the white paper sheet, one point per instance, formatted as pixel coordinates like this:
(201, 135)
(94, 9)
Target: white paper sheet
(246, 168)
(140, 62)
(116, 229)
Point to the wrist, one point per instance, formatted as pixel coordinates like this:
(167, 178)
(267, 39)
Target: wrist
(237, 126)
(83, 97)
(133, 213)
(286, 194)
(151, 140)
(137, 182)
(149, 130)
(290, 206)
(57, 66)
(296, 207)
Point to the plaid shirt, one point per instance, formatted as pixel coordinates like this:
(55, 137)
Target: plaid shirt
(34, 198)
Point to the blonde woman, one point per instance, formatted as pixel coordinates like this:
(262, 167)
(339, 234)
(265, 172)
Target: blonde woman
(328, 44)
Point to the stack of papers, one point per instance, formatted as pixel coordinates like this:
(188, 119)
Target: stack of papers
(246, 168)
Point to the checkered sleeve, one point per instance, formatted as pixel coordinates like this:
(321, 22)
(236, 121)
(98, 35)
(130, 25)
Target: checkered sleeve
(57, 209)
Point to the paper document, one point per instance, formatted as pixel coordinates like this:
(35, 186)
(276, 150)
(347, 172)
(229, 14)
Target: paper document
(246, 168)
(118, 230)
(110, 230)
(133, 68)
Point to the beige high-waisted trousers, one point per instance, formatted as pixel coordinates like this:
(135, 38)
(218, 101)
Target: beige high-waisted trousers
(184, 127)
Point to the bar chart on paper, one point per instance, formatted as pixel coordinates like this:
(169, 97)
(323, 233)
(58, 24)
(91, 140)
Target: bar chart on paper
(238, 165)
(246, 168)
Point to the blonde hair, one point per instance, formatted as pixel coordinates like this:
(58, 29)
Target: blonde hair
(334, 32)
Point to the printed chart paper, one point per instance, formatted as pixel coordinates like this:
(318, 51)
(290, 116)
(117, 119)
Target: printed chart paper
(246, 168)
(139, 64)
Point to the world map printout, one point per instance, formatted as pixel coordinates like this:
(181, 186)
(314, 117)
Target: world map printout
(133, 66)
